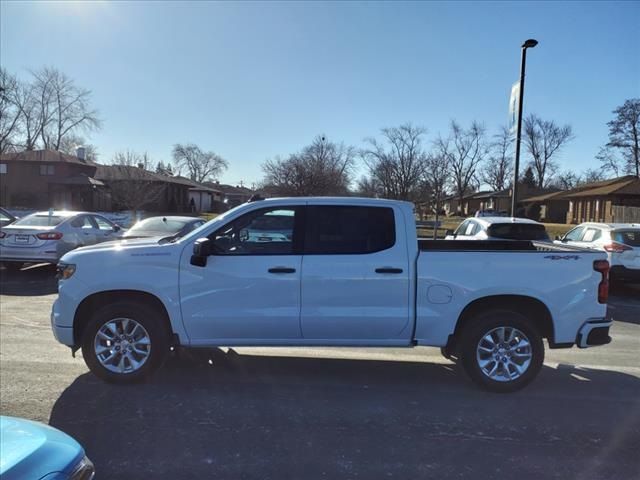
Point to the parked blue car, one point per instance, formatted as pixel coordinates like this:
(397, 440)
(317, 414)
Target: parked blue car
(34, 451)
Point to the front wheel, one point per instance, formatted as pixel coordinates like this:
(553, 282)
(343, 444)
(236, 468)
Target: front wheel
(125, 342)
(501, 350)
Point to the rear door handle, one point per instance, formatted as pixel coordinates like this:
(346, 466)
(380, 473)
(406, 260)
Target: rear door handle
(282, 270)
(388, 270)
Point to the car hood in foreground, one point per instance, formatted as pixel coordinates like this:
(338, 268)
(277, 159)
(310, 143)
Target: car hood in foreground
(120, 243)
(32, 450)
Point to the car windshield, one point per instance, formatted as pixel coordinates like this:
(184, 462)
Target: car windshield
(159, 225)
(36, 220)
(518, 231)
(628, 237)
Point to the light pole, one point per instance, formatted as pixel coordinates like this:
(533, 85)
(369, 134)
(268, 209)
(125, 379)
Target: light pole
(514, 190)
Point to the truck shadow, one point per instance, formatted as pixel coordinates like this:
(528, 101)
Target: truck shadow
(250, 416)
(29, 281)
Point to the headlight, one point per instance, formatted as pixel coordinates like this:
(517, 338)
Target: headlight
(65, 270)
(83, 471)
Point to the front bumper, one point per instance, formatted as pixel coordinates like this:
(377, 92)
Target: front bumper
(593, 333)
(63, 334)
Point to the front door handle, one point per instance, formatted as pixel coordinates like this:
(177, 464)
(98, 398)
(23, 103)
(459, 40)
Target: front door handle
(282, 270)
(388, 270)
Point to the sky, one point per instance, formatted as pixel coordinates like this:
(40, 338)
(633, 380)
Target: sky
(251, 81)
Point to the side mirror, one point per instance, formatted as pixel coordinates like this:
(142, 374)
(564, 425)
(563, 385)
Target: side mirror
(448, 232)
(201, 250)
(117, 228)
(560, 237)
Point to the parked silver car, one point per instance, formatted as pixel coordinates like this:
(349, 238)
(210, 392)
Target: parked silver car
(44, 237)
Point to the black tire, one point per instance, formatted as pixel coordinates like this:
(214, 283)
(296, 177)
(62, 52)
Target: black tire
(153, 322)
(481, 325)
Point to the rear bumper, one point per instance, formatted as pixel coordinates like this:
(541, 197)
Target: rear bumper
(593, 333)
(29, 255)
(620, 272)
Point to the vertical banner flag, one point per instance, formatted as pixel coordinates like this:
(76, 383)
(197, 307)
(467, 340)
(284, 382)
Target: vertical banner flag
(513, 106)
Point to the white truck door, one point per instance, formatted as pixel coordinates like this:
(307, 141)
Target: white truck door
(249, 291)
(355, 274)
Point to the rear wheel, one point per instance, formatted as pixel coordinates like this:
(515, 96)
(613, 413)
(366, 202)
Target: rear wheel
(125, 342)
(501, 350)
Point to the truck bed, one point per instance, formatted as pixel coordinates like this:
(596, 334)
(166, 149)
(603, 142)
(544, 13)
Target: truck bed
(494, 245)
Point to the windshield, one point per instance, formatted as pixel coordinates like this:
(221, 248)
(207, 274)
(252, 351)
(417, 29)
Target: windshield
(161, 225)
(36, 220)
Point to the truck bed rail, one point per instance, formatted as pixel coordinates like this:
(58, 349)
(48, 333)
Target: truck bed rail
(495, 245)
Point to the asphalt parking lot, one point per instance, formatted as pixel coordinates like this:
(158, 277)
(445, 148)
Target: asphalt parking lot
(327, 413)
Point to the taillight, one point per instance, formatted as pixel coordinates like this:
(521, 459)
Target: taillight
(49, 236)
(616, 247)
(602, 266)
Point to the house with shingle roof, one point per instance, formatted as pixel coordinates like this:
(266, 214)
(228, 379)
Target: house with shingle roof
(42, 179)
(602, 201)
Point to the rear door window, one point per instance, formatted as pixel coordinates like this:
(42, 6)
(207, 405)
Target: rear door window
(591, 234)
(84, 222)
(349, 229)
(471, 229)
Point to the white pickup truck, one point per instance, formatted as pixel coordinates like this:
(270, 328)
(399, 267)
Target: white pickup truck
(331, 272)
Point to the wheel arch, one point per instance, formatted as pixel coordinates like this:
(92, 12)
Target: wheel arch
(99, 299)
(532, 308)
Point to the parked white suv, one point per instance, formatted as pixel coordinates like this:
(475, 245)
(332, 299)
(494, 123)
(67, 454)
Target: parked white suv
(621, 241)
(499, 228)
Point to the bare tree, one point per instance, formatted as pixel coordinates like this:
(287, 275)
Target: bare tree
(200, 165)
(322, 168)
(610, 163)
(624, 135)
(591, 175)
(544, 139)
(133, 186)
(30, 113)
(70, 144)
(567, 180)
(64, 107)
(9, 111)
(397, 164)
(465, 151)
(437, 176)
(498, 169)
(368, 187)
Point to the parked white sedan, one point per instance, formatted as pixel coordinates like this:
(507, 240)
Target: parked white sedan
(43, 237)
(621, 241)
